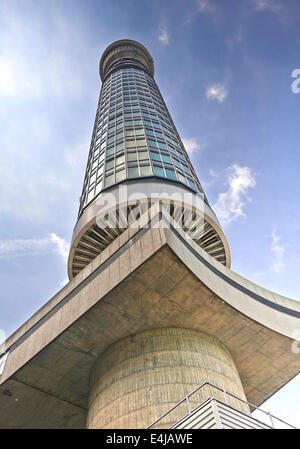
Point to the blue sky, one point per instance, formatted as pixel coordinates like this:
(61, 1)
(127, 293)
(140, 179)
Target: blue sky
(224, 68)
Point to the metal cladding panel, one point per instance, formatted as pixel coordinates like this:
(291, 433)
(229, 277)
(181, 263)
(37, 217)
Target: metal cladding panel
(203, 418)
(216, 415)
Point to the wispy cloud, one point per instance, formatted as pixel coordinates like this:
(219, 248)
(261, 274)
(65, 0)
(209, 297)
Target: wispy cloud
(205, 6)
(63, 283)
(192, 146)
(61, 246)
(75, 155)
(234, 39)
(214, 176)
(230, 204)
(42, 76)
(278, 253)
(164, 37)
(283, 14)
(200, 7)
(35, 182)
(261, 5)
(277, 260)
(21, 247)
(217, 92)
(12, 248)
(34, 66)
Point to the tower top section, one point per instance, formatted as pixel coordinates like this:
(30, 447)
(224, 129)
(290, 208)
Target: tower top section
(137, 159)
(125, 53)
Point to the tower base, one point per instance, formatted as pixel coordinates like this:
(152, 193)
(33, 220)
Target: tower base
(150, 277)
(140, 377)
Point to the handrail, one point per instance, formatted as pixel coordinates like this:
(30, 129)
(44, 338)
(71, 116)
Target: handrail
(186, 399)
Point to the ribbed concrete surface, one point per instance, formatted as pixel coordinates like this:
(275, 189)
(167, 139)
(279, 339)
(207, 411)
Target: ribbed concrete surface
(140, 377)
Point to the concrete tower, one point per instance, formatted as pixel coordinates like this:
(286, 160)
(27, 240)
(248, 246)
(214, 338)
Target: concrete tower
(136, 157)
(152, 311)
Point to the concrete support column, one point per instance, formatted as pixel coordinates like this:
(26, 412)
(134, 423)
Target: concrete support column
(140, 377)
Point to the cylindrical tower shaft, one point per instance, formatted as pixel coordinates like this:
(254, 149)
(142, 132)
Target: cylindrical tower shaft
(139, 378)
(135, 143)
(134, 135)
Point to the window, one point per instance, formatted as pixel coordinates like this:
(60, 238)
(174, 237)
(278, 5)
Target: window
(143, 155)
(109, 164)
(90, 195)
(170, 174)
(131, 156)
(185, 168)
(110, 151)
(191, 184)
(152, 143)
(149, 132)
(141, 142)
(146, 170)
(109, 180)
(177, 163)
(98, 187)
(120, 159)
(100, 171)
(181, 178)
(155, 156)
(93, 178)
(162, 145)
(120, 146)
(158, 171)
(166, 158)
(130, 143)
(133, 172)
(120, 175)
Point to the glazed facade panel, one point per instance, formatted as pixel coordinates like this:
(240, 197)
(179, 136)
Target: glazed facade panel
(134, 137)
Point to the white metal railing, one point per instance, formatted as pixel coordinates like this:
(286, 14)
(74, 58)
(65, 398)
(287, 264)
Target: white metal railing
(186, 400)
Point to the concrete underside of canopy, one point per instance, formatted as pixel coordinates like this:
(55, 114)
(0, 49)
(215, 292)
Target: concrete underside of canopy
(147, 278)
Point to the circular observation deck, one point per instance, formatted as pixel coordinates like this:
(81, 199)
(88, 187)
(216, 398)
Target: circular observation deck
(112, 212)
(125, 53)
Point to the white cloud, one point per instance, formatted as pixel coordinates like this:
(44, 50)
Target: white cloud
(40, 175)
(164, 37)
(76, 155)
(30, 191)
(34, 65)
(205, 6)
(61, 246)
(192, 146)
(261, 5)
(21, 247)
(213, 178)
(43, 79)
(234, 40)
(201, 6)
(212, 173)
(11, 248)
(278, 252)
(230, 204)
(64, 282)
(7, 78)
(217, 92)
